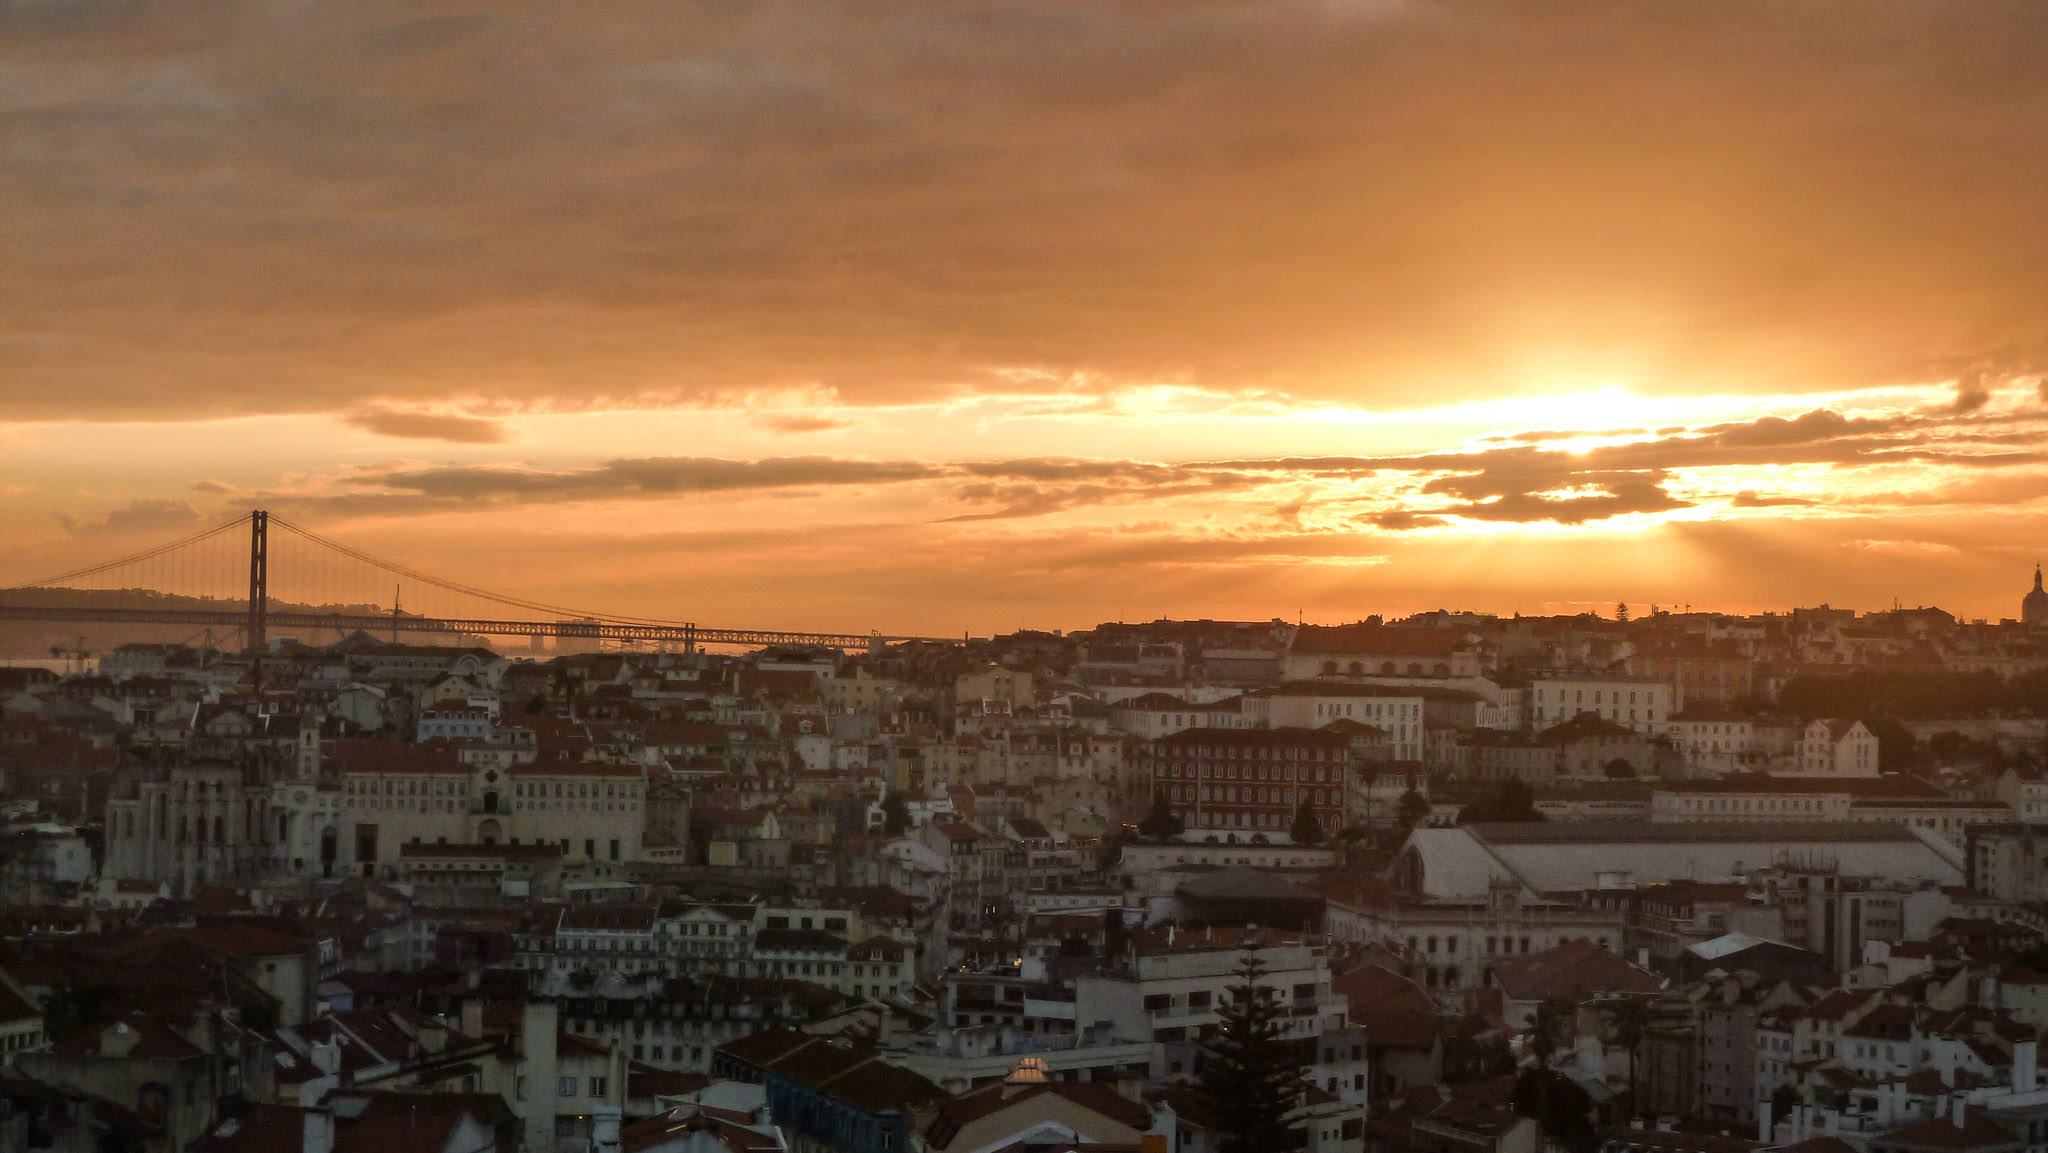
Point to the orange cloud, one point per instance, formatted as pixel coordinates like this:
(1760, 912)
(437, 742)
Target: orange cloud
(305, 212)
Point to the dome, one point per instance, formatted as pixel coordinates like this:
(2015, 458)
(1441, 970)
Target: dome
(2034, 609)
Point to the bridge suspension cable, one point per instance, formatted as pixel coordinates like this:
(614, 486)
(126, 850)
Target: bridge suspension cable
(457, 587)
(138, 558)
(198, 580)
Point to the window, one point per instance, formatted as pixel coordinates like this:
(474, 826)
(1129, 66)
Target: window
(567, 1087)
(597, 1086)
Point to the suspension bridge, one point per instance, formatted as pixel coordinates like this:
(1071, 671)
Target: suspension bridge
(262, 573)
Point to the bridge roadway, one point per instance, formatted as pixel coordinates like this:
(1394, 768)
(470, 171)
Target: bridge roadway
(687, 635)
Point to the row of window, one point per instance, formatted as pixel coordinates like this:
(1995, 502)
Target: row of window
(460, 787)
(1231, 794)
(367, 850)
(1496, 944)
(1387, 669)
(1185, 770)
(1258, 753)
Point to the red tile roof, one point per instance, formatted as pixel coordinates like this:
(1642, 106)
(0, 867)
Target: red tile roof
(1572, 971)
(961, 1110)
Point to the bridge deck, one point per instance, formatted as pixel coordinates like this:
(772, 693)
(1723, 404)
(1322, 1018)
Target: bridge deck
(689, 635)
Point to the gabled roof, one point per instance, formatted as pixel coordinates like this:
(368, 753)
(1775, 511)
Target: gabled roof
(154, 1040)
(877, 948)
(1397, 1028)
(1976, 1132)
(962, 1110)
(731, 1130)
(1571, 971)
(1370, 988)
(846, 1073)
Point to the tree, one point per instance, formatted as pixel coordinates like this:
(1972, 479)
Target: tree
(1116, 935)
(1307, 830)
(895, 814)
(1546, 1029)
(1621, 612)
(1245, 1074)
(1559, 1107)
(1557, 1104)
(1631, 1017)
(1784, 1099)
(1512, 802)
(1411, 808)
(1161, 822)
(1619, 769)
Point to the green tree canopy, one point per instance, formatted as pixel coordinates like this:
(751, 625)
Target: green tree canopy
(1161, 821)
(1411, 808)
(1306, 830)
(1512, 802)
(895, 814)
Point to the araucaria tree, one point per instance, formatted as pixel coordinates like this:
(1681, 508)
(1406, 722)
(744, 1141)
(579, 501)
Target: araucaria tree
(1247, 1075)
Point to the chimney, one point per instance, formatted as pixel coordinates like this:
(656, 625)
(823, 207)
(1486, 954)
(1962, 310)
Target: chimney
(1763, 1123)
(2025, 1071)
(1956, 1111)
(316, 1134)
(326, 1056)
(119, 1040)
(473, 1017)
(433, 1036)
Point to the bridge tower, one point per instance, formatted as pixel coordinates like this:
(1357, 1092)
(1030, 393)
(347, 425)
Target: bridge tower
(259, 580)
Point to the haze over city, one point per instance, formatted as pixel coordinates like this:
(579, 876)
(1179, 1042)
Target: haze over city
(1023, 576)
(937, 318)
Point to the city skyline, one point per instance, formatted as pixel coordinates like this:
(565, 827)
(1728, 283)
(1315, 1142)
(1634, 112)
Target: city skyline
(967, 318)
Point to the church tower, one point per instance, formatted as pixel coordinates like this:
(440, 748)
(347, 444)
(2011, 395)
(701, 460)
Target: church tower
(2034, 609)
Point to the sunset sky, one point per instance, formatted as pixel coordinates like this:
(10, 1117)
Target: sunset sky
(933, 317)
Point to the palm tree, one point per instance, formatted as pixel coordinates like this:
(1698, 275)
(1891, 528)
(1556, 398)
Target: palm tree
(1545, 1028)
(1631, 1020)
